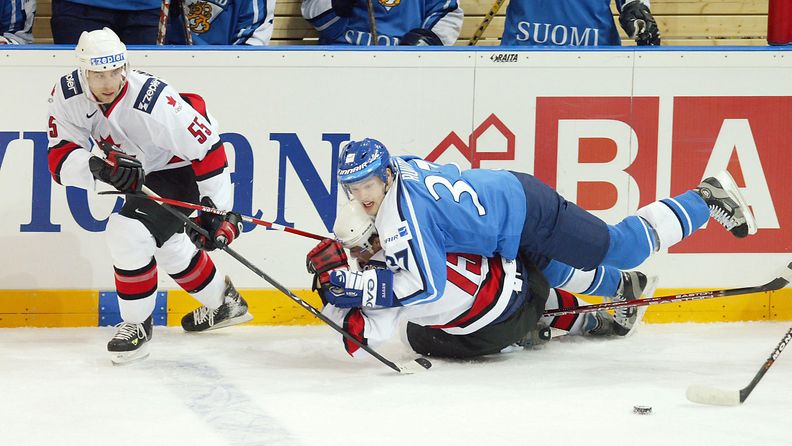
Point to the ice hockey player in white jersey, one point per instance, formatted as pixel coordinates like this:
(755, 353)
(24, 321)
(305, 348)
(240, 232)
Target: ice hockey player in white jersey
(153, 136)
(414, 22)
(577, 23)
(425, 210)
(488, 304)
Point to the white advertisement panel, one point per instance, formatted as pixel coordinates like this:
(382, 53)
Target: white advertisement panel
(613, 130)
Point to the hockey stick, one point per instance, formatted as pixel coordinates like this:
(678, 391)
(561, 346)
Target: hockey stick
(163, 22)
(202, 208)
(422, 363)
(185, 16)
(485, 23)
(372, 22)
(718, 397)
(775, 284)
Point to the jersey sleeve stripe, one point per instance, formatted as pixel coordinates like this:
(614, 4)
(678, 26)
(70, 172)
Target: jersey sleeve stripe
(354, 324)
(212, 164)
(56, 156)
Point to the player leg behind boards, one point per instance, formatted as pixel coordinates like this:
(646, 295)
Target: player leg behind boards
(143, 236)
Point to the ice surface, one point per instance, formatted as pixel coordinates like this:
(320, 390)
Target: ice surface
(294, 385)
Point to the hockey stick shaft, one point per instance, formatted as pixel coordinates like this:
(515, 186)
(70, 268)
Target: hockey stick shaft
(186, 19)
(485, 23)
(163, 22)
(280, 287)
(211, 210)
(767, 364)
(372, 22)
(775, 284)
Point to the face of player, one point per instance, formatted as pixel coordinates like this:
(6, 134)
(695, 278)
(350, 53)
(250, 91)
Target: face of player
(370, 193)
(105, 85)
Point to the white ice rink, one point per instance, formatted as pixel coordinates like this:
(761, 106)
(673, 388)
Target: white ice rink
(294, 386)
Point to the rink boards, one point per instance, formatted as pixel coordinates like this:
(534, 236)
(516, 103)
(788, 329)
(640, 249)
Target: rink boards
(612, 130)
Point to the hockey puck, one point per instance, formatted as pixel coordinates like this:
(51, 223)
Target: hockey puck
(642, 410)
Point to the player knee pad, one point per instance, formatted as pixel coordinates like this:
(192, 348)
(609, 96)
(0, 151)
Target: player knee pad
(175, 255)
(131, 244)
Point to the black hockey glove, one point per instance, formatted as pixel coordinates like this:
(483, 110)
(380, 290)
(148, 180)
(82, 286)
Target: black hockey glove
(638, 23)
(222, 229)
(343, 8)
(420, 37)
(122, 171)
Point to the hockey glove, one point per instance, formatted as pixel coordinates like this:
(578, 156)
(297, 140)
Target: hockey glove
(222, 229)
(343, 8)
(327, 255)
(122, 171)
(420, 37)
(638, 23)
(351, 289)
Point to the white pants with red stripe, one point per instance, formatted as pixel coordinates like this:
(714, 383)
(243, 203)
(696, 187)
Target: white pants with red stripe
(136, 257)
(573, 323)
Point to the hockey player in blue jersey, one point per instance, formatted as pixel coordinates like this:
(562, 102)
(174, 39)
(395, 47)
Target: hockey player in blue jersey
(233, 22)
(424, 210)
(488, 304)
(577, 23)
(16, 21)
(414, 22)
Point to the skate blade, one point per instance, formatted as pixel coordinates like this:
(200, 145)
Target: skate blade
(731, 188)
(126, 358)
(649, 291)
(247, 317)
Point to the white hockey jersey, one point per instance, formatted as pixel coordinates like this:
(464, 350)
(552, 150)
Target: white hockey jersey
(149, 120)
(479, 291)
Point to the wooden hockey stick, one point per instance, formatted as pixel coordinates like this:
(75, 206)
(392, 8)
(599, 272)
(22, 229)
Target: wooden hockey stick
(719, 397)
(163, 22)
(775, 284)
(485, 23)
(417, 365)
(185, 16)
(372, 22)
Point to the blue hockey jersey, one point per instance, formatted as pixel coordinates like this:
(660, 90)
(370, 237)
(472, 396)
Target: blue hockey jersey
(393, 19)
(561, 23)
(223, 22)
(431, 210)
(16, 21)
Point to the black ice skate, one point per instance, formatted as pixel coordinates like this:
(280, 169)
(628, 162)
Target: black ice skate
(233, 311)
(727, 205)
(631, 287)
(602, 323)
(130, 343)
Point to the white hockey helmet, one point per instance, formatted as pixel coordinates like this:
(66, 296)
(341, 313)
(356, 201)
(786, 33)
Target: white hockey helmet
(101, 50)
(354, 227)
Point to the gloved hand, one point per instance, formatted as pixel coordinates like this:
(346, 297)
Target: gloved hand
(343, 8)
(638, 23)
(327, 255)
(122, 171)
(420, 37)
(222, 229)
(351, 289)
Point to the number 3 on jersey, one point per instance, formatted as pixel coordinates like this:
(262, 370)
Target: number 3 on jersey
(457, 189)
(397, 261)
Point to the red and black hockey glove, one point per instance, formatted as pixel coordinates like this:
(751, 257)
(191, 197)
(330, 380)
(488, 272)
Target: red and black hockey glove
(222, 229)
(326, 256)
(122, 171)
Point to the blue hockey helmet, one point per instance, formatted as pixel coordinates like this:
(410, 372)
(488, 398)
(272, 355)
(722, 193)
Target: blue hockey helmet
(361, 160)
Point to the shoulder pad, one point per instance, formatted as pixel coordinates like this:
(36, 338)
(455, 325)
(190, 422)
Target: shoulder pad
(149, 94)
(70, 85)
